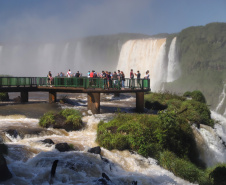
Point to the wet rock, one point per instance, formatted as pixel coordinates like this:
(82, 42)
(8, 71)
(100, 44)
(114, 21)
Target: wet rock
(95, 150)
(17, 99)
(5, 174)
(63, 147)
(48, 141)
(12, 133)
(61, 123)
(28, 132)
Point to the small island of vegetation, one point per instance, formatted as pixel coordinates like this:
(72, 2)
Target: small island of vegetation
(166, 135)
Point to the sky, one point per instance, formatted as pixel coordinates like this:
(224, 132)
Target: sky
(46, 20)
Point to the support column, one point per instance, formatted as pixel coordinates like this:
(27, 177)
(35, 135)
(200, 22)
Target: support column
(52, 96)
(24, 96)
(140, 101)
(94, 102)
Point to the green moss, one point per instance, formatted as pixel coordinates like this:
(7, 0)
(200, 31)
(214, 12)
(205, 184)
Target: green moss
(196, 95)
(47, 119)
(68, 116)
(183, 168)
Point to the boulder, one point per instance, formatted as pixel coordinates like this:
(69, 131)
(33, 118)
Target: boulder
(63, 147)
(5, 174)
(48, 141)
(95, 150)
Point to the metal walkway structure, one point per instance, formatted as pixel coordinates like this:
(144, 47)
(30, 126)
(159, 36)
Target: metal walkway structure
(92, 86)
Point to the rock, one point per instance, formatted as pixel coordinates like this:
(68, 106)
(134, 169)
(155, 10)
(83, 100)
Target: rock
(95, 150)
(48, 141)
(28, 132)
(63, 147)
(17, 99)
(5, 174)
(12, 133)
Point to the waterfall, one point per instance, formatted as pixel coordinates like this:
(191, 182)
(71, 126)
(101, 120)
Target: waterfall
(211, 141)
(174, 71)
(143, 55)
(222, 101)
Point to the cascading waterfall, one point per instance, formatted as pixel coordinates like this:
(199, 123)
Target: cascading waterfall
(143, 55)
(173, 71)
(222, 101)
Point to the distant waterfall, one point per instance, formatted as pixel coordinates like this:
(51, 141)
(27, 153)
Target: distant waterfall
(222, 101)
(174, 71)
(143, 55)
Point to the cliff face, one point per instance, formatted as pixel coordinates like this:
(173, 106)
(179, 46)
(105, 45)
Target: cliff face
(202, 59)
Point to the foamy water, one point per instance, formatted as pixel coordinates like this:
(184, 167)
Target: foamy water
(30, 160)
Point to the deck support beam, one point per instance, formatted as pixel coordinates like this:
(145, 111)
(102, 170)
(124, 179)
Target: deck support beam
(24, 96)
(140, 102)
(52, 96)
(94, 102)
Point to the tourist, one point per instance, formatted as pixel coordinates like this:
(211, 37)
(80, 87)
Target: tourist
(69, 73)
(132, 83)
(138, 78)
(115, 79)
(122, 79)
(77, 74)
(50, 78)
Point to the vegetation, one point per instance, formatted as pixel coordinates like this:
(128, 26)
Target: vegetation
(4, 96)
(166, 136)
(70, 119)
(202, 60)
(194, 110)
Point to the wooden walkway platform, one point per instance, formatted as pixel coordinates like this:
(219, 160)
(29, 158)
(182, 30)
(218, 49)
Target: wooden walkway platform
(92, 86)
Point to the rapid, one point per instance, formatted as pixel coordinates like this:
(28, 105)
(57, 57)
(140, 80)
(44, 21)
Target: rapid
(30, 159)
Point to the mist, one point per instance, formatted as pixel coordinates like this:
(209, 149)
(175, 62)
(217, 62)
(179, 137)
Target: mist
(51, 21)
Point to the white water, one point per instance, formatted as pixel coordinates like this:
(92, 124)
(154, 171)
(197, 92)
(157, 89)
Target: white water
(212, 141)
(30, 160)
(143, 55)
(222, 101)
(173, 71)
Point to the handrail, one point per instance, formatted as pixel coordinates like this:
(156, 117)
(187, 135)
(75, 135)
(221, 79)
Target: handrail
(77, 82)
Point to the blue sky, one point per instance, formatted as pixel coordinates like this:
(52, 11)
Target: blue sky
(27, 20)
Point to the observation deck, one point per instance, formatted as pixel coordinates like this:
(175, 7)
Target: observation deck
(92, 86)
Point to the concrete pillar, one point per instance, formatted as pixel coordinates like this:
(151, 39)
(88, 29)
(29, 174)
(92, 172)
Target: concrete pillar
(24, 96)
(52, 96)
(94, 102)
(140, 101)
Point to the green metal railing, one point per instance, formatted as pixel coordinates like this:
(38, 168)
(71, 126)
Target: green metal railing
(81, 82)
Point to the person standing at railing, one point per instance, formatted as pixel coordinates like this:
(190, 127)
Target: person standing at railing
(115, 79)
(69, 73)
(50, 78)
(122, 79)
(131, 85)
(138, 78)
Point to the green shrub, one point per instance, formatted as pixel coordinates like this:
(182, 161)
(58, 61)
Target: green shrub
(183, 168)
(196, 112)
(196, 95)
(218, 174)
(147, 134)
(4, 96)
(47, 119)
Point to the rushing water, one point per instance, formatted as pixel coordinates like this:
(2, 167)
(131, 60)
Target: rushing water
(30, 160)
